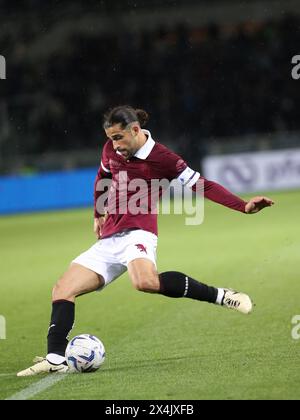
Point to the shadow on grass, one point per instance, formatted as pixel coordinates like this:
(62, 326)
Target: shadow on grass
(147, 363)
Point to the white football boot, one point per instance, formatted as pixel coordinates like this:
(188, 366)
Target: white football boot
(41, 365)
(238, 301)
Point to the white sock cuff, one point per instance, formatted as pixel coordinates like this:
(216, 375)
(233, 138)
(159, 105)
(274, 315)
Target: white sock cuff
(221, 293)
(55, 359)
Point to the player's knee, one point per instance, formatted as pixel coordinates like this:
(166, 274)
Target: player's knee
(60, 292)
(147, 284)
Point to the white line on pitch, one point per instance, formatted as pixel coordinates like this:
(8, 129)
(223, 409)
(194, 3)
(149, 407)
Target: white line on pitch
(4, 375)
(37, 388)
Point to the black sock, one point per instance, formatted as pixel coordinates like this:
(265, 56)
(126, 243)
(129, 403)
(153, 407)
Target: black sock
(62, 322)
(178, 285)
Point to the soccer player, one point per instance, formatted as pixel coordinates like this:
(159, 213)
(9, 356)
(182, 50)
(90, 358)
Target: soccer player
(128, 241)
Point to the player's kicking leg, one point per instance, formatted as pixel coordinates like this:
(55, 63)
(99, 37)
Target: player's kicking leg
(75, 282)
(145, 278)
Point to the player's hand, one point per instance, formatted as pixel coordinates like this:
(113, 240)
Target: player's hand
(98, 225)
(256, 204)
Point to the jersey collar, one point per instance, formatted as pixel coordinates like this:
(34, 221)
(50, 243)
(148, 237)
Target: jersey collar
(145, 150)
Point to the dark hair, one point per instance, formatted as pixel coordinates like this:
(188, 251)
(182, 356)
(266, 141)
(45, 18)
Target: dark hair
(125, 115)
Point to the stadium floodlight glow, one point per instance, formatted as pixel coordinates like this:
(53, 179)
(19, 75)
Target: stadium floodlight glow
(2, 327)
(2, 67)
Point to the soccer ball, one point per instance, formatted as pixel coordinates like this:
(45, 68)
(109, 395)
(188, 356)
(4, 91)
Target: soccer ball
(85, 353)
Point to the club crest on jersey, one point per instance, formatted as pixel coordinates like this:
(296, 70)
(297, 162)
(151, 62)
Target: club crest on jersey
(141, 248)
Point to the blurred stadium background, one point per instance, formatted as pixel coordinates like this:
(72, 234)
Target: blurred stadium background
(214, 75)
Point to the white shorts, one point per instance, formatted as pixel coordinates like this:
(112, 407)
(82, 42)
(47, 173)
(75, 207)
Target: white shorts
(110, 257)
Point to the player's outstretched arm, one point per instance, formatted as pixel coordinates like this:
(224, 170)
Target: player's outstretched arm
(256, 204)
(220, 195)
(217, 193)
(176, 167)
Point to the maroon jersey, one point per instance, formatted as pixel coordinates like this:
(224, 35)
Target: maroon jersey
(152, 163)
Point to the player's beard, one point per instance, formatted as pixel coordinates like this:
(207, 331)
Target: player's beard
(126, 154)
(129, 153)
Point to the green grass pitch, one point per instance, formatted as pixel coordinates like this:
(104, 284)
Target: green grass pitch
(159, 348)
